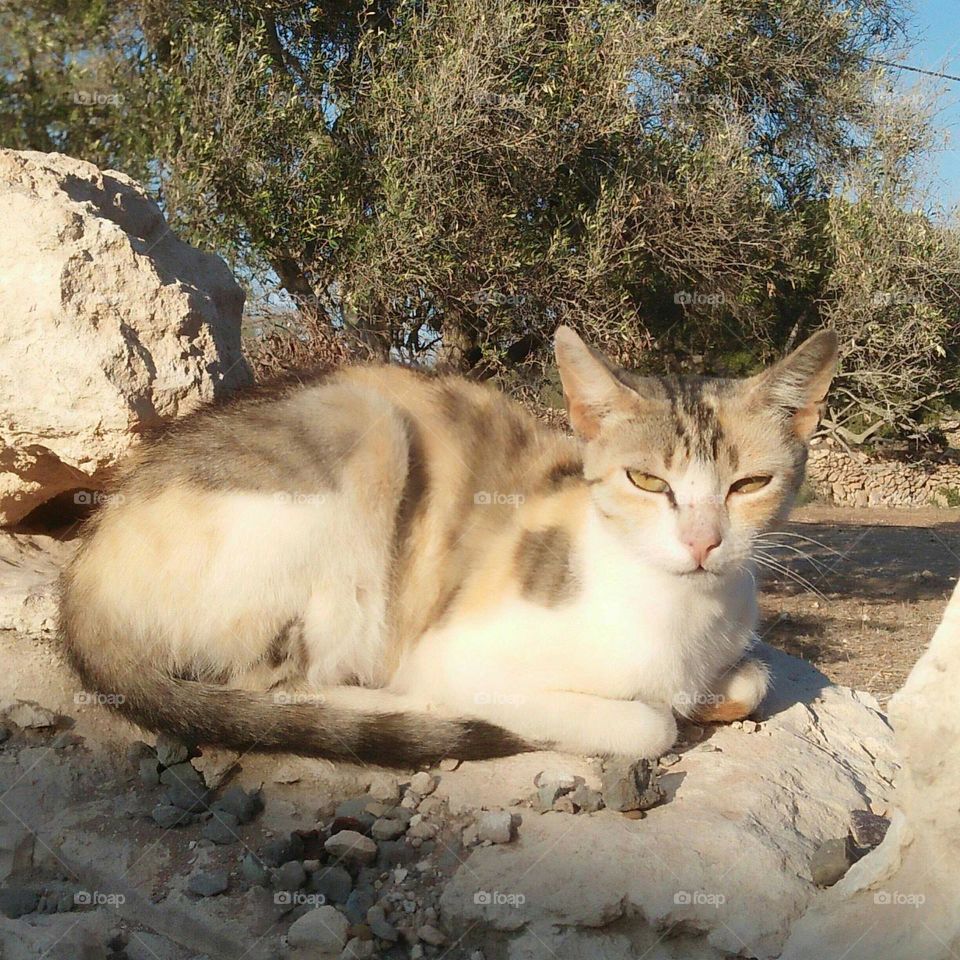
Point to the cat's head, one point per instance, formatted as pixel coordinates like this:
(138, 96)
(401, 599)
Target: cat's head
(687, 471)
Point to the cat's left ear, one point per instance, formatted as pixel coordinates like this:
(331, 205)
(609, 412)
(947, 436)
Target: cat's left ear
(798, 384)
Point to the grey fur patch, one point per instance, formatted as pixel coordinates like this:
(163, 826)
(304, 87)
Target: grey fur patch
(543, 566)
(288, 646)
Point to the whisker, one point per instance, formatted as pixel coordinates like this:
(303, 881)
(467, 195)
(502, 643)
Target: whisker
(800, 536)
(776, 566)
(817, 564)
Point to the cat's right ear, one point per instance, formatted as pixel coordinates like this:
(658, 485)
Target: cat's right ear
(589, 385)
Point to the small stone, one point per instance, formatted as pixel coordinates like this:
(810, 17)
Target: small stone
(166, 815)
(244, 806)
(385, 788)
(253, 871)
(431, 935)
(423, 784)
(221, 828)
(470, 835)
(669, 759)
(351, 847)
(384, 829)
(358, 949)
(633, 815)
(565, 805)
(830, 861)
(408, 803)
(422, 830)
(547, 796)
(323, 929)
(431, 805)
(149, 772)
(358, 903)
(281, 850)
(291, 876)
(750, 726)
(29, 715)
(868, 829)
(216, 766)
(585, 799)
(171, 751)
(16, 902)
(208, 883)
(449, 764)
(495, 826)
(311, 866)
(185, 787)
(630, 787)
(379, 925)
(332, 883)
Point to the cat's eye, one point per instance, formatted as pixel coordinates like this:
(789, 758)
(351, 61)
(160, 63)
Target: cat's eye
(647, 481)
(749, 484)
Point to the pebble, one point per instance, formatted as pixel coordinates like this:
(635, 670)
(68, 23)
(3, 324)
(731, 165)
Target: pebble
(585, 799)
(449, 764)
(166, 815)
(868, 829)
(29, 715)
(750, 726)
(422, 830)
(185, 787)
(16, 902)
(208, 884)
(358, 903)
(380, 926)
(171, 751)
(221, 828)
(283, 849)
(669, 759)
(830, 861)
(323, 929)
(385, 829)
(630, 787)
(332, 883)
(149, 772)
(351, 847)
(423, 784)
(385, 788)
(291, 876)
(244, 806)
(253, 870)
(431, 935)
(495, 826)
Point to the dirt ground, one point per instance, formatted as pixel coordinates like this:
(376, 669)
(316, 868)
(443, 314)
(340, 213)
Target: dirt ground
(883, 577)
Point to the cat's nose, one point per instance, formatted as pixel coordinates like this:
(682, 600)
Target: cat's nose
(701, 544)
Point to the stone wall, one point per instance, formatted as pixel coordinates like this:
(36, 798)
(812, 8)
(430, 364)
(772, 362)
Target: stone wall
(857, 480)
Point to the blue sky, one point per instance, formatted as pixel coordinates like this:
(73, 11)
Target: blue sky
(936, 32)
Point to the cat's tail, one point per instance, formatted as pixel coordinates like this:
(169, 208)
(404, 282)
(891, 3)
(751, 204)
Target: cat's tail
(309, 725)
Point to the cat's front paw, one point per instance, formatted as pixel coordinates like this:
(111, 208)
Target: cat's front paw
(735, 695)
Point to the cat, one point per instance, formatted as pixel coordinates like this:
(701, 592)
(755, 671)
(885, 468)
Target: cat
(388, 566)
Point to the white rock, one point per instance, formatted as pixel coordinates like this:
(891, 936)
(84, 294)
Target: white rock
(423, 784)
(108, 323)
(352, 847)
(323, 929)
(723, 863)
(385, 788)
(495, 826)
(899, 901)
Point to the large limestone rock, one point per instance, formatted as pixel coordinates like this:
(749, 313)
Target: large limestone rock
(900, 901)
(108, 324)
(721, 869)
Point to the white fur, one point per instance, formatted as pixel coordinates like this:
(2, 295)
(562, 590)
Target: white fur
(601, 673)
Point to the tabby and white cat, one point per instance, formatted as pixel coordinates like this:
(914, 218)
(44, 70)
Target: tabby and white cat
(387, 566)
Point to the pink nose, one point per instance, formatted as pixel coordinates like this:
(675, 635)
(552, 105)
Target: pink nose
(701, 545)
